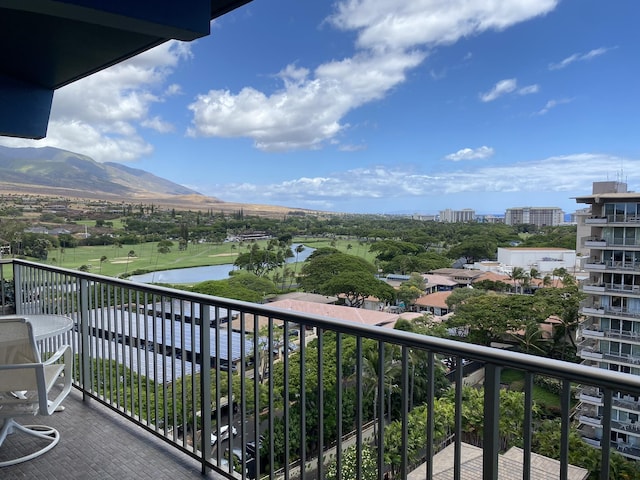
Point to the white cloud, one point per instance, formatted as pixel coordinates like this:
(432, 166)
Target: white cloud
(552, 104)
(99, 115)
(157, 124)
(529, 89)
(308, 111)
(506, 86)
(578, 57)
(471, 154)
(402, 25)
(393, 37)
(533, 178)
(351, 148)
(499, 89)
(102, 115)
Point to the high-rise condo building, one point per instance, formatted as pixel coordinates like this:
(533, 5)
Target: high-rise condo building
(465, 215)
(609, 336)
(539, 216)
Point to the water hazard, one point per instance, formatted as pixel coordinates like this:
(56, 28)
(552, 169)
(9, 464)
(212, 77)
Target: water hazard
(202, 274)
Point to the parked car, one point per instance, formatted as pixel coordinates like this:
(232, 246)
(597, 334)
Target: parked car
(223, 434)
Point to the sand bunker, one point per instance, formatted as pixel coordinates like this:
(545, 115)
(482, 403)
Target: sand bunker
(224, 255)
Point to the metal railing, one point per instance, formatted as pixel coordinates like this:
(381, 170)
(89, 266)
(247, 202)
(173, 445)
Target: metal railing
(183, 365)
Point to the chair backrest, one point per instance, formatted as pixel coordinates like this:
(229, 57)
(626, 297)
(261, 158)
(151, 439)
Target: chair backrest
(17, 347)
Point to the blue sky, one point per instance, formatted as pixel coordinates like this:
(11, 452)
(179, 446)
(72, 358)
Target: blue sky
(377, 106)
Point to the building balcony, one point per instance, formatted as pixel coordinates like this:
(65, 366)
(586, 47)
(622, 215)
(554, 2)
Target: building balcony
(152, 363)
(613, 266)
(592, 333)
(630, 337)
(593, 288)
(619, 312)
(595, 242)
(628, 403)
(589, 354)
(626, 219)
(587, 420)
(592, 310)
(622, 358)
(596, 220)
(591, 397)
(593, 265)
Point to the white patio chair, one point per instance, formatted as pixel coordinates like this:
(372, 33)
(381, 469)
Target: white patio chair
(26, 383)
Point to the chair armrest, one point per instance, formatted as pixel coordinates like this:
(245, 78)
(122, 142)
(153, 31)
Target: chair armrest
(63, 350)
(49, 405)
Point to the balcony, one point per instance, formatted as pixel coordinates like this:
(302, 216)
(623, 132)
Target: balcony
(595, 242)
(621, 312)
(628, 403)
(592, 310)
(596, 220)
(593, 288)
(623, 219)
(587, 420)
(590, 354)
(598, 266)
(592, 332)
(593, 265)
(152, 362)
(620, 288)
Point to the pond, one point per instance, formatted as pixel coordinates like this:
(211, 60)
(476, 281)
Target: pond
(203, 274)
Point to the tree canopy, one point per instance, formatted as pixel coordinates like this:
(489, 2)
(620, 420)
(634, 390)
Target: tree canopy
(261, 261)
(330, 272)
(241, 286)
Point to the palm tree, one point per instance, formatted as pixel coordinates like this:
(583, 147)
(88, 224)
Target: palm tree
(299, 249)
(370, 374)
(559, 273)
(532, 339)
(517, 274)
(103, 259)
(534, 273)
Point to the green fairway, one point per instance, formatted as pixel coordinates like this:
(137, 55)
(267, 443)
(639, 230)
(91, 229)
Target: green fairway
(145, 256)
(119, 263)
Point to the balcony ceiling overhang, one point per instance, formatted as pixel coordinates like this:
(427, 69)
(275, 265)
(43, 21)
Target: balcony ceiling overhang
(608, 197)
(47, 44)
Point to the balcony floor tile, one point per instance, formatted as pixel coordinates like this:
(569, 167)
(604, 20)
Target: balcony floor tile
(96, 443)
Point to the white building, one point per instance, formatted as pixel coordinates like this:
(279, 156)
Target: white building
(465, 215)
(610, 334)
(539, 216)
(545, 260)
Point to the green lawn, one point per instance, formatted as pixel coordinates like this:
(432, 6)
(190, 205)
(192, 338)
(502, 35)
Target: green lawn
(343, 245)
(515, 380)
(146, 257)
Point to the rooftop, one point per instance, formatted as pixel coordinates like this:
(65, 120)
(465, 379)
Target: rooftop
(510, 466)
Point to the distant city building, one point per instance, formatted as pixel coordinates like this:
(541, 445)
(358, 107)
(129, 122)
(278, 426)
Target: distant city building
(539, 216)
(458, 216)
(489, 219)
(545, 260)
(424, 217)
(462, 277)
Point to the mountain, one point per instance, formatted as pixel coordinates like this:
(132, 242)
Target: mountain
(51, 170)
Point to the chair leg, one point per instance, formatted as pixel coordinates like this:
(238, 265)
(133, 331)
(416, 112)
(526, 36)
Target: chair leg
(51, 435)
